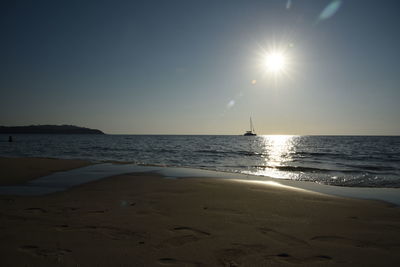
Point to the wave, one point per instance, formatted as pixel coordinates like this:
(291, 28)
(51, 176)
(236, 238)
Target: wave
(371, 167)
(384, 170)
(294, 168)
(361, 182)
(228, 152)
(317, 154)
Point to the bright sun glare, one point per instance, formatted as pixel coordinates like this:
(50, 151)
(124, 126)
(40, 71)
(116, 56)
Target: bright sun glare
(275, 62)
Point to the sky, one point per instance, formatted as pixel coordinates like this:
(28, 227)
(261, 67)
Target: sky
(196, 66)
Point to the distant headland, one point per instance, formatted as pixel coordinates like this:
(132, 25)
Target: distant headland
(48, 129)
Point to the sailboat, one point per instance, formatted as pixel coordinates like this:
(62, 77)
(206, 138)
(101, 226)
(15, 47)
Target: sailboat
(251, 132)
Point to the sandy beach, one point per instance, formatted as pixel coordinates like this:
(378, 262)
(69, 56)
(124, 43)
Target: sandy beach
(143, 219)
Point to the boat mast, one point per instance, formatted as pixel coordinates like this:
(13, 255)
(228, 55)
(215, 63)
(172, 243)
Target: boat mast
(251, 125)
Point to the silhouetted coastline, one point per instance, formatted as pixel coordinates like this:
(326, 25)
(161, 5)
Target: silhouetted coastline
(48, 129)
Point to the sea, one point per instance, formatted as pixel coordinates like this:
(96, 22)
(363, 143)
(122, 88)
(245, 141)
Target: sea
(352, 161)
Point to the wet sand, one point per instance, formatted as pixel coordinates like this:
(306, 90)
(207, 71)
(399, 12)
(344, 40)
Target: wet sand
(146, 220)
(20, 170)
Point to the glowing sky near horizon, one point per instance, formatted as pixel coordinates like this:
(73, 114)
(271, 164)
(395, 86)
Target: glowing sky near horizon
(193, 67)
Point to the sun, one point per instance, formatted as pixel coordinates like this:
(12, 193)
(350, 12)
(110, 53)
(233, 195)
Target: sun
(275, 62)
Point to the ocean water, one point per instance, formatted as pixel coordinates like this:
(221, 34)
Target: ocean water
(362, 161)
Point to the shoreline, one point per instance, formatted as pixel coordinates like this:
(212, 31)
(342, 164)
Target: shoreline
(68, 173)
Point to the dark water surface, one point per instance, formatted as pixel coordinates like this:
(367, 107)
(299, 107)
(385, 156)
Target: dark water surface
(371, 161)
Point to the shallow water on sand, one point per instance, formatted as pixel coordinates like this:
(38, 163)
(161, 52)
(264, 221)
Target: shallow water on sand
(366, 161)
(61, 181)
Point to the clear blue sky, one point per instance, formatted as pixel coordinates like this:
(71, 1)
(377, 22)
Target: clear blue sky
(186, 67)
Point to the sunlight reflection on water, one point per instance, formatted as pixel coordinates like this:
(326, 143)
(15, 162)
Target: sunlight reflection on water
(278, 148)
(276, 152)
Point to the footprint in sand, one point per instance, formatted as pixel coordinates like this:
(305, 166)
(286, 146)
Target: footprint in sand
(66, 209)
(62, 227)
(285, 257)
(175, 262)
(282, 237)
(230, 256)
(96, 211)
(251, 248)
(236, 255)
(115, 233)
(167, 261)
(343, 241)
(222, 210)
(36, 210)
(185, 235)
(108, 231)
(190, 230)
(179, 240)
(44, 252)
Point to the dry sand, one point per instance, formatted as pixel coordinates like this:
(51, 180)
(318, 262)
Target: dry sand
(146, 220)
